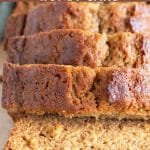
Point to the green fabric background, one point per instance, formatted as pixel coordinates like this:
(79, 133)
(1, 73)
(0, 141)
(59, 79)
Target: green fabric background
(5, 10)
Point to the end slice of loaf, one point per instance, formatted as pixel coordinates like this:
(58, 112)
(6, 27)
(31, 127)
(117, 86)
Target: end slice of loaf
(16, 22)
(77, 91)
(80, 48)
(53, 133)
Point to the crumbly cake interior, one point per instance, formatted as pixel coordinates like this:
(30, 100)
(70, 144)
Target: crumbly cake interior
(53, 133)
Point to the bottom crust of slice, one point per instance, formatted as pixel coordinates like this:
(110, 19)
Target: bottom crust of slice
(53, 133)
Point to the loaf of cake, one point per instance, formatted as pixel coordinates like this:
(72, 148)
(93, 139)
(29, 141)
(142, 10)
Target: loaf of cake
(94, 17)
(80, 48)
(55, 133)
(107, 92)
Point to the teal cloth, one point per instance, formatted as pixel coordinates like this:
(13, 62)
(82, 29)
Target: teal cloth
(5, 10)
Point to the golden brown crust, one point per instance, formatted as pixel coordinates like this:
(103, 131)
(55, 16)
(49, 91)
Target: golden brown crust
(80, 48)
(77, 91)
(53, 133)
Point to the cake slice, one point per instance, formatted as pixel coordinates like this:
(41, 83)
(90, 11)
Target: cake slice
(107, 92)
(63, 15)
(51, 16)
(80, 48)
(53, 133)
(63, 46)
(93, 17)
